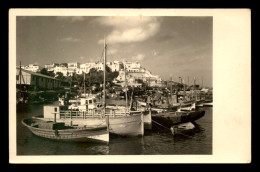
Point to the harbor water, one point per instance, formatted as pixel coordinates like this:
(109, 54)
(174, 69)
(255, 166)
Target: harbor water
(199, 141)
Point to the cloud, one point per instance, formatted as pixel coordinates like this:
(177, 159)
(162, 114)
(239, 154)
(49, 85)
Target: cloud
(138, 57)
(81, 57)
(70, 18)
(155, 53)
(112, 51)
(129, 29)
(70, 39)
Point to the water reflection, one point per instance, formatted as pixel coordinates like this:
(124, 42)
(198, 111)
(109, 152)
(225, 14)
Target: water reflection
(126, 146)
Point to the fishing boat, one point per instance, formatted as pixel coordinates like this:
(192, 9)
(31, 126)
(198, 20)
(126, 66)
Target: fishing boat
(184, 106)
(130, 125)
(147, 118)
(169, 119)
(182, 103)
(124, 124)
(59, 131)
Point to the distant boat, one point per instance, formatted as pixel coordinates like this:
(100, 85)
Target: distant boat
(210, 104)
(199, 103)
(188, 108)
(58, 131)
(141, 103)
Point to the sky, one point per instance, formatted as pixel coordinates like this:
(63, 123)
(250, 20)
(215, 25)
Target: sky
(168, 46)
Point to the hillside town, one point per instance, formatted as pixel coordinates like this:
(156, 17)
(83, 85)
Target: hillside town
(136, 74)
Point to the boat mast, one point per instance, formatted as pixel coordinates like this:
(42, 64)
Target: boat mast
(192, 88)
(90, 91)
(70, 83)
(171, 89)
(84, 86)
(202, 82)
(20, 78)
(104, 85)
(125, 88)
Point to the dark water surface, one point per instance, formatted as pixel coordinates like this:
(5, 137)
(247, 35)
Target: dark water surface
(153, 143)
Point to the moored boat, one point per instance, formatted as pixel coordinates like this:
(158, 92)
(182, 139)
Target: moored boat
(187, 108)
(182, 128)
(147, 119)
(59, 131)
(131, 125)
(122, 123)
(169, 119)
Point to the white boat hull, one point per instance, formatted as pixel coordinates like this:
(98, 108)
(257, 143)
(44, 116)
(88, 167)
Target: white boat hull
(208, 104)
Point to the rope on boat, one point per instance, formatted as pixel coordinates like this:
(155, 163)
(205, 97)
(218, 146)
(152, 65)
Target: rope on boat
(100, 124)
(170, 129)
(161, 125)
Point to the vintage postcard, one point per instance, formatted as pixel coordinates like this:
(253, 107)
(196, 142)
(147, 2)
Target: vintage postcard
(130, 86)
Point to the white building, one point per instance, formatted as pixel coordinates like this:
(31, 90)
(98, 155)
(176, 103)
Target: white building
(134, 73)
(62, 69)
(87, 66)
(31, 67)
(115, 65)
(84, 68)
(74, 65)
(50, 67)
(73, 68)
(99, 66)
(132, 65)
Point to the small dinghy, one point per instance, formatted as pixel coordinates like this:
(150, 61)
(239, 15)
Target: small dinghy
(182, 128)
(187, 108)
(58, 131)
(209, 104)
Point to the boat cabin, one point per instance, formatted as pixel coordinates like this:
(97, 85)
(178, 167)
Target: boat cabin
(51, 110)
(84, 104)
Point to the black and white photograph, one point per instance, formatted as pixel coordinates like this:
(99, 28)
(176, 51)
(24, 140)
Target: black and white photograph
(117, 84)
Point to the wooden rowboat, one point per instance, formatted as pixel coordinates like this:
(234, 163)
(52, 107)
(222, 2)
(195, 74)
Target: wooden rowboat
(58, 131)
(182, 128)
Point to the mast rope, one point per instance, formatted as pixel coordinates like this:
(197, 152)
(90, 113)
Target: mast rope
(170, 129)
